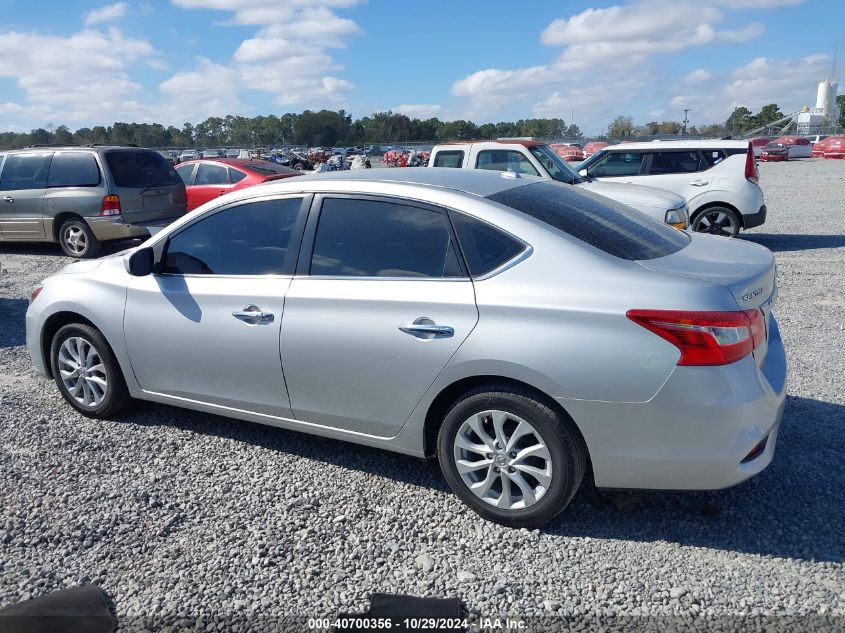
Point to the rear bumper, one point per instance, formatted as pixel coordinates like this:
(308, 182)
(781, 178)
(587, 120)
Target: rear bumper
(115, 228)
(755, 219)
(696, 433)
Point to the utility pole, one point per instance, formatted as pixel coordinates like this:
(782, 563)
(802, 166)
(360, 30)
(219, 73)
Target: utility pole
(686, 120)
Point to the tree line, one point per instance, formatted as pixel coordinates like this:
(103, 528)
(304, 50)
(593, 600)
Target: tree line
(312, 129)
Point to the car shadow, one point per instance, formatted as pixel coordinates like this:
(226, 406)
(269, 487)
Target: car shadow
(12, 312)
(791, 510)
(779, 242)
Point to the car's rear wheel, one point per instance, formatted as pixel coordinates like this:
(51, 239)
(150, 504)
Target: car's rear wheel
(86, 371)
(77, 239)
(510, 457)
(717, 221)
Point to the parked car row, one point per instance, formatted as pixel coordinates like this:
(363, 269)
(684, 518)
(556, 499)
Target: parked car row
(526, 331)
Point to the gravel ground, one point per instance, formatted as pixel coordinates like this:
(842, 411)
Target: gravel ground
(173, 512)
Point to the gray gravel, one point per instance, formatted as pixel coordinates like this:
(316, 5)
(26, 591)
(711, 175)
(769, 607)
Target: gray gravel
(173, 512)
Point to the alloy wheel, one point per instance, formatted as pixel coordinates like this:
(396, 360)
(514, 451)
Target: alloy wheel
(82, 371)
(75, 239)
(503, 460)
(716, 223)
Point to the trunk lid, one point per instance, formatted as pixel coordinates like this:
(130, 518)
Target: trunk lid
(149, 188)
(746, 269)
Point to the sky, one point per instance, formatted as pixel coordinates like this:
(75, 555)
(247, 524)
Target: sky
(80, 63)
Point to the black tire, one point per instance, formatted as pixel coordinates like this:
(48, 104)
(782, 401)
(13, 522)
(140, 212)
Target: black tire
(299, 167)
(717, 221)
(568, 455)
(77, 240)
(116, 395)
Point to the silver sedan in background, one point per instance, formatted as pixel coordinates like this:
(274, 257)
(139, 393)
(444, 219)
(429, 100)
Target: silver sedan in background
(518, 330)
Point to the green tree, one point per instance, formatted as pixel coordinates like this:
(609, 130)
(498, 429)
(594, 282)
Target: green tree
(621, 127)
(739, 121)
(767, 114)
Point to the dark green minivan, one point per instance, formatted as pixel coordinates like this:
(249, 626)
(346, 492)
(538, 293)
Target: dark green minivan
(82, 196)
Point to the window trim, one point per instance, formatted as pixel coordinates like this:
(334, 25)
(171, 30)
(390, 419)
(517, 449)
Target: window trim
(303, 266)
(288, 265)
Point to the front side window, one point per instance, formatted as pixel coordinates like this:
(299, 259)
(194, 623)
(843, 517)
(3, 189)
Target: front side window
(73, 169)
(505, 160)
(614, 228)
(249, 239)
(139, 168)
(25, 171)
(367, 238)
(676, 163)
(614, 164)
(485, 247)
(211, 174)
(449, 158)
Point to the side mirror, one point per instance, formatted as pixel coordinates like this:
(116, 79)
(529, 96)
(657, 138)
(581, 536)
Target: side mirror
(140, 263)
(582, 172)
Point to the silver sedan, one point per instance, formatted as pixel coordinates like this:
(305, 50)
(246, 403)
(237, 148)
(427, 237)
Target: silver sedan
(517, 330)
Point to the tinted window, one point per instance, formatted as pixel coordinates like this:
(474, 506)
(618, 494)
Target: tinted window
(266, 168)
(25, 171)
(235, 175)
(73, 169)
(211, 174)
(505, 160)
(600, 222)
(450, 158)
(713, 157)
(484, 246)
(140, 168)
(382, 239)
(250, 239)
(676, 163)
(185, 172)
(617, 164)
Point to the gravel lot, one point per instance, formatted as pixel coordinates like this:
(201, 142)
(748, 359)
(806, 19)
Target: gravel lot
(173, 512)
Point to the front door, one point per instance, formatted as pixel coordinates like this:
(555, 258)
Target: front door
(382, 305)
(23, 184)
(206, 326)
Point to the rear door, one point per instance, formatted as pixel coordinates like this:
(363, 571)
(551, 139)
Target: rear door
(23, 183)
(149, 188)
(380, 303)
(211, 181)
(684, 172)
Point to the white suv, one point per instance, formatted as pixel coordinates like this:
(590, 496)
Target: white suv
(534, 158)
(717, 178)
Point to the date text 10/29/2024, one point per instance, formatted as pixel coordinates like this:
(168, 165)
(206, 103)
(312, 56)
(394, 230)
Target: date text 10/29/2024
(415, 624)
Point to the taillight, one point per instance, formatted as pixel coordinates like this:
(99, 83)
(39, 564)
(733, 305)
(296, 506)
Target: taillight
(36, 290)
(705, 338)
(111, 205)
(750, 165)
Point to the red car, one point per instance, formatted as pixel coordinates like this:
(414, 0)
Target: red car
(568, 152)
(592, 147)
(774, 152)
(209, 179)
(831, 147)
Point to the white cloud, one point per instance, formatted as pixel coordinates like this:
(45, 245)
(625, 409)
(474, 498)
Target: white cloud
(758, 4)
(697, 76)
(106, 13)
(419, 110)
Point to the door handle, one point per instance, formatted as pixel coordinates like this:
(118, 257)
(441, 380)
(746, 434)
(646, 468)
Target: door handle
(8, 199)
(253, 315)
(426, 328)
(699, 183)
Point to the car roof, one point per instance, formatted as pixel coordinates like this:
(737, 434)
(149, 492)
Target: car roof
(664, 145)
(478, 182)
(504, 141)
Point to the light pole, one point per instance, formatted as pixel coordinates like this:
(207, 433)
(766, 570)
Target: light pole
(686, 120)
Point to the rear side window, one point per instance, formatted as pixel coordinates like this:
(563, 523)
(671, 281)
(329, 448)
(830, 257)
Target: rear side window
(614, 164)
(449, 158)
(211, 174)
(25, 171)
(249, 239)
(609, 226)
(73, 169)
(505, 160)
(139, 168)
(713, 157)
(235, 175)
(485, 247)
(676, 163)
(368, 238)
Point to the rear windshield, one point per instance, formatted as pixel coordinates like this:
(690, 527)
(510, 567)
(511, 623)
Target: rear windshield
(607, 225)
(140, 168)
(267, 168)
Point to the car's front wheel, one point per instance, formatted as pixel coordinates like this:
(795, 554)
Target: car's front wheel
(86, 371)
(78, 240)
(717, 221)
(510, 457)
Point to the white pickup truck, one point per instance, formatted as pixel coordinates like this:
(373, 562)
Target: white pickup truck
(535, 158)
